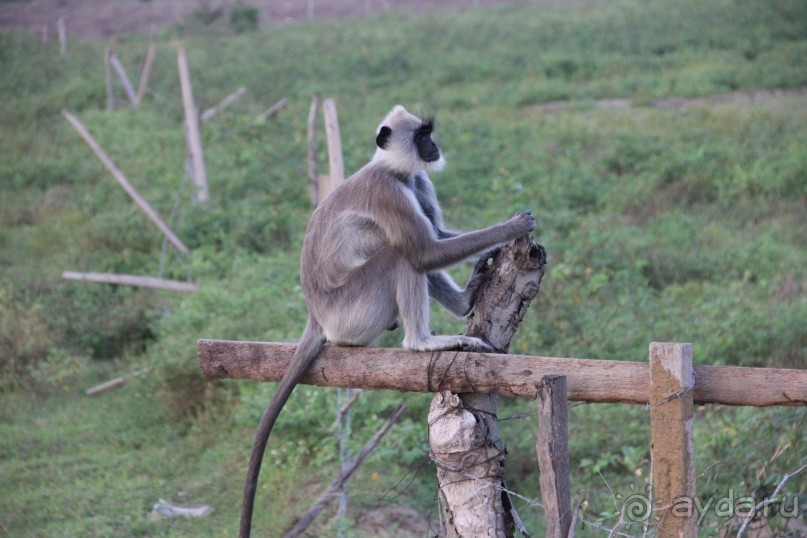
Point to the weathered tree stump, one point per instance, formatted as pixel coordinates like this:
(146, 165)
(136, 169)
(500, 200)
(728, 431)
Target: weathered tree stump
(463, 432)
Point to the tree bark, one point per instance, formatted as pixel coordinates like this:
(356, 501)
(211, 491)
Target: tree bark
(463, 429)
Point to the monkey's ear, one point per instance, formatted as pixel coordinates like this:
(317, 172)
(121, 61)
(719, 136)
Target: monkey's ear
(383, 137)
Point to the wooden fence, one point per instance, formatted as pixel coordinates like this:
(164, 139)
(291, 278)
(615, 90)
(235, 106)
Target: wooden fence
(668, 384)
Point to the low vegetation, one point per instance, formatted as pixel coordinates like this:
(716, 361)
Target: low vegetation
(662, 223)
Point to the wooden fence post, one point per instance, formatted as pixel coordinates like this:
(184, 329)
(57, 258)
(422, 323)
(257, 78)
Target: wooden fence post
(145, 72)
(313, 177)
(197, 156)
(552, 446)
(62, 30)
(672, 448)
(336, 167)
(110, 83)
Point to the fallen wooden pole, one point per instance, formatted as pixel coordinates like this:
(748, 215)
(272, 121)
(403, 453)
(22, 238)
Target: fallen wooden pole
(132, 280)
(269, 112)
(211, 112)
(305, 520)
(124, 79)
(197, 155)
(114, 383)
(118, 175)
(589, 380)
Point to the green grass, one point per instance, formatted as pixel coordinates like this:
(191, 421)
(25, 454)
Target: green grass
(661, 225)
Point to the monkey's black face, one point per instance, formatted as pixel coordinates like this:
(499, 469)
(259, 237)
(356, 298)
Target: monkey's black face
(427, 148)
(421, 138)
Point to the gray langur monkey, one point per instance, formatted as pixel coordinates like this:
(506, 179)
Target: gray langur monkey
(373, 253)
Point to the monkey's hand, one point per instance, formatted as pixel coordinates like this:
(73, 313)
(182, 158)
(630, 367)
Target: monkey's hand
(523, 223)
(482, 263)
(480, 276)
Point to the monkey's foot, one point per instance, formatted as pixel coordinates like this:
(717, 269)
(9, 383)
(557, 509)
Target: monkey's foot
(451, 343)
(471, 343)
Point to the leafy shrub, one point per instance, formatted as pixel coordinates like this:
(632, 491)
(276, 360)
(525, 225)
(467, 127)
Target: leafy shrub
(188, 396)
(25, 337)
(105, 321)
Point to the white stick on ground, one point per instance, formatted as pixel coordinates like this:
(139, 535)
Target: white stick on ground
(132, 280)
(269, 112)
(210, 113)
(124, 79)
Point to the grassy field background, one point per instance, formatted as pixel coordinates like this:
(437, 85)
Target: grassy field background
(662, 146)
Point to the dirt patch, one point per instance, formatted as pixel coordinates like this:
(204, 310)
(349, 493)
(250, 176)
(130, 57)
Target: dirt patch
(109, 18)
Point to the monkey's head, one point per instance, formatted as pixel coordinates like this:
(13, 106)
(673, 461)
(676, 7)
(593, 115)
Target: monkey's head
(404, 143)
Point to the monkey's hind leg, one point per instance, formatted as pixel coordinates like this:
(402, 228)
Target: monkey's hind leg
(412, 295)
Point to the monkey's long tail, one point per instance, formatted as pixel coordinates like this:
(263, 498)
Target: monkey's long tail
(311, 343)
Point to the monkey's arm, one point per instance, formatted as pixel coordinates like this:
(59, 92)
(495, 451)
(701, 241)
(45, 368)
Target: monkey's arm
(409, 231)
(443, 288)
(460, 301)
(445, 234)
(446, 292)
(432, 253)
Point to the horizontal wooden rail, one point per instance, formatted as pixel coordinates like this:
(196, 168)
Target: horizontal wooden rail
(597, 381)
